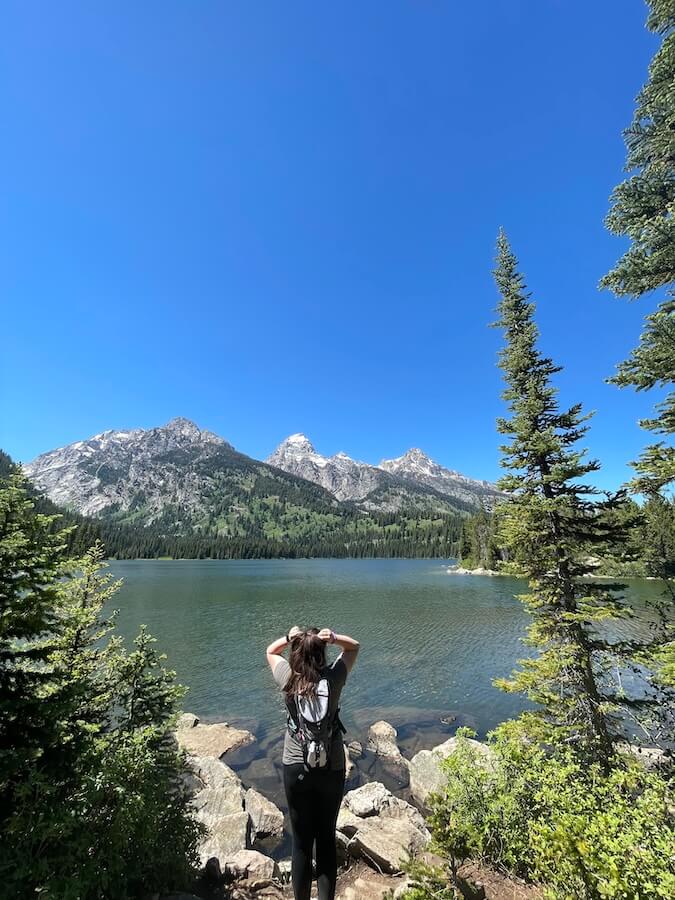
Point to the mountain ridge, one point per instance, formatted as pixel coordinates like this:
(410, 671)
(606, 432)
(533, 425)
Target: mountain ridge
(349, 479)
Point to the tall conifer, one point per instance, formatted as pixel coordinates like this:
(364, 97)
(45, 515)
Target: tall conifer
(552, 523)
(644, 211)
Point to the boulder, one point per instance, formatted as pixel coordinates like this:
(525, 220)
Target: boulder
(425, 767)
(650, 758)
(395, 808)
(212, 772)
(386, 844)
(380, 828)
(355, 749)
(267, 820)
(186, 720)
(217, 790)
(366, 800)
(227, 836)
(253, 866)
(347, 822)
(212, 740)
(382, 740)
(373, 799)
(212, 803)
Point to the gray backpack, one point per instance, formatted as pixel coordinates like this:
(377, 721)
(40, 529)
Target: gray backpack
(312, 725)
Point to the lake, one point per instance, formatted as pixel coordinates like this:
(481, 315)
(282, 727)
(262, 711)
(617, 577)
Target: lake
(431, 643)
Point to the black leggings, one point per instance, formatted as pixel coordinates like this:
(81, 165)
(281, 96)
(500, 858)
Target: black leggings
(313, 802)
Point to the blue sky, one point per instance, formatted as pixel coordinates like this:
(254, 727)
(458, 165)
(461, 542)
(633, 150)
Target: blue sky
(278, 217)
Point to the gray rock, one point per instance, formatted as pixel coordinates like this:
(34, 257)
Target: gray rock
(186, 720)
(355, 749)
(218, 791)
(267, 820)
(425, 767)
(211, 804)
(366, 800)
(347, 822)
(227, 836)
(253, 866)
(212, 740)
(382, 740)
(386, 844)
(212, 772)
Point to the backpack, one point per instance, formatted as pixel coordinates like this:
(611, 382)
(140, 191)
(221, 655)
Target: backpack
(313, 727)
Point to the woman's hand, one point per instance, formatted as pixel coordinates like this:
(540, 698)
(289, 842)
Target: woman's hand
(327, 636)
(292, 632)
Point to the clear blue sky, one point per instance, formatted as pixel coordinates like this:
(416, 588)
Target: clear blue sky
(275, 217)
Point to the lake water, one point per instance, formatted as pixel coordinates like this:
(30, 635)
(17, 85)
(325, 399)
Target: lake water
(431, 643)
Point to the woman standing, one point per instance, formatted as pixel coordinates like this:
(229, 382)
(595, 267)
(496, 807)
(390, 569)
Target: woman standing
(314, 756)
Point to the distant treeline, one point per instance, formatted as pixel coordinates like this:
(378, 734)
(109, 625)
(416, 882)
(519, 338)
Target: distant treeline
(354, 535)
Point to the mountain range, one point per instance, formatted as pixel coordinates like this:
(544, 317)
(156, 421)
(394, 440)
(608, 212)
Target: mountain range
(180, 466)
(388, 485)
(180, 490)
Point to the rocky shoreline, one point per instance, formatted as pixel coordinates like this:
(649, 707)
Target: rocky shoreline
(376, 830)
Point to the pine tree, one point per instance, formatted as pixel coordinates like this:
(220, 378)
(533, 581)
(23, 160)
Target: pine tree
(644, 211)
(30, 566)
(551, 523)
(89, 804)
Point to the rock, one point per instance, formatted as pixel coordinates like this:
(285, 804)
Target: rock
(347, 822)
(373, 799)
(227, 836)
(349, 765)
(366, 800)
(387, 843)
(253, 866)
(186, 720)
(425, 767)
(267, 820)
(395, 808)
(382, 829)
(212, 803)
(212, 740)
(382, 740)
(650, 758)
(216, 790)
(212, 772)
(460, 570)
(355, 749)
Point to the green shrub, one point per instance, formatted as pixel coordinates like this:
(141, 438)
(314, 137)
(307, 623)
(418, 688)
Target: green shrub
(550, 818)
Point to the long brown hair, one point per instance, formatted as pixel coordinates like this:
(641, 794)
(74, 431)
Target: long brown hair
(307, 659)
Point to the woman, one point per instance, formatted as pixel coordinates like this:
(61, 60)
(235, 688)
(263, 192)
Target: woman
(313, 791)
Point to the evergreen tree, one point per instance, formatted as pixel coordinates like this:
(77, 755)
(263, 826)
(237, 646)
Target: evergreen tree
(30, 566)
(89, 799)
(550, 524)
(644, 211)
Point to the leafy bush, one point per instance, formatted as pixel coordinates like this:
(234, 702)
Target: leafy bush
(550, 818)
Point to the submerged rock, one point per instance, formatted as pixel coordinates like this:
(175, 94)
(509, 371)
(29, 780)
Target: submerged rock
(382, 740)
